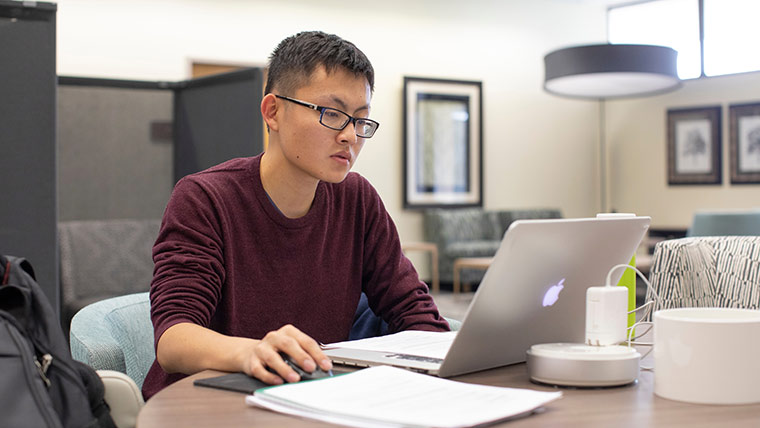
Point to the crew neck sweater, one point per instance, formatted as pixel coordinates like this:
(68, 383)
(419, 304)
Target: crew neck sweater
(227, 259)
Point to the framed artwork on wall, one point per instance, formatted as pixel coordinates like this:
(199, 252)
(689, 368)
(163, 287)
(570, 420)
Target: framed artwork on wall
(744, 142)
(443, 144)
(694, 146)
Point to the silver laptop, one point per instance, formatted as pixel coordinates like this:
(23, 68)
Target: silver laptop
(533, 292)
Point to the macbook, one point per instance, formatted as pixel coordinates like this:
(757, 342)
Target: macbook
(533, 292)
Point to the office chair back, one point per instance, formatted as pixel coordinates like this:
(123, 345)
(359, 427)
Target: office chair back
(102, 259)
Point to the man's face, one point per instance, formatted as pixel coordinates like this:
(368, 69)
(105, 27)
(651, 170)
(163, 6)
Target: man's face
(313, 149)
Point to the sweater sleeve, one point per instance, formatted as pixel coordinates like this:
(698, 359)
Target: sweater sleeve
(188, 273)
(390, 281)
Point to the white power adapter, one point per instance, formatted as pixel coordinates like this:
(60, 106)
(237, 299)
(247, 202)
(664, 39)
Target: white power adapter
(606, 315)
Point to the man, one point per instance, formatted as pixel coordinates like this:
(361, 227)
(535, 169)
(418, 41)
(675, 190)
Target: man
(270, 254)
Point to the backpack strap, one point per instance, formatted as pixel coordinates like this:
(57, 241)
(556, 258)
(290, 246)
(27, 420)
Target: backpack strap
(5, 268)
(6, 265)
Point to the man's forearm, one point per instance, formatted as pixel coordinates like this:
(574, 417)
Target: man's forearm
(189, 348)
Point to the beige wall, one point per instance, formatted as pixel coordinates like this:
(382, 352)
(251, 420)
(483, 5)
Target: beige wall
(637, 135)
(540, 150)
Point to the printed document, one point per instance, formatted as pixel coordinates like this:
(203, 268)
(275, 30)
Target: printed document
(386, 396)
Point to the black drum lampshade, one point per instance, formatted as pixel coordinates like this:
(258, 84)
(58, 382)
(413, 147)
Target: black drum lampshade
(607, 71)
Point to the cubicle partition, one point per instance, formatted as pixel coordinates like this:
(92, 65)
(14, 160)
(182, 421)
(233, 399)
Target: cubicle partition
(123, 144)
(28, 214)
(111, 166)
(217, 118)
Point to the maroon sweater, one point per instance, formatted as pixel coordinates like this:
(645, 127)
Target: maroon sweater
(227, 259)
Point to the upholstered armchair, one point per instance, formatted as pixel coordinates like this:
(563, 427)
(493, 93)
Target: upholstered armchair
(472, 232)
(715, 271)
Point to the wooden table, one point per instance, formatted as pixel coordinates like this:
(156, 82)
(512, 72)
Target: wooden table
(635, 406)
(471, 263)
(433, 250)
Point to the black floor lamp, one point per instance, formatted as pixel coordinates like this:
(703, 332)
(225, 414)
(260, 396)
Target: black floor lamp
(607, 71)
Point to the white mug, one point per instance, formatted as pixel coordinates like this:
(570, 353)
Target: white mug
(707, 355)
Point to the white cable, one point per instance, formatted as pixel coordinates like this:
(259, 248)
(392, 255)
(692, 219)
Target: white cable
(608, 282)
(633, 327)
(648, 306)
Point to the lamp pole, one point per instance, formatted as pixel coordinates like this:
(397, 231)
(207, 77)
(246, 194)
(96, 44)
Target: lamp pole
(603, 172)
(606, 71)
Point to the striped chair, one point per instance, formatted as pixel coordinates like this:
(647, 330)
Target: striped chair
(714, 271)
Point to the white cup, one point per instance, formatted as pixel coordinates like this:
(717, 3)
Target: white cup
(707, 355)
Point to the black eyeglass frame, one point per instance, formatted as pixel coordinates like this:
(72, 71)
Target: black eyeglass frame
(322, 109)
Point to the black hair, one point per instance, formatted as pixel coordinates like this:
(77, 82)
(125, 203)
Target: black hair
(295, 59)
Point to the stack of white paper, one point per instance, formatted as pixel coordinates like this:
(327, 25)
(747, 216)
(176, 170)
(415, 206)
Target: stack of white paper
(433, 344)
(387, 396)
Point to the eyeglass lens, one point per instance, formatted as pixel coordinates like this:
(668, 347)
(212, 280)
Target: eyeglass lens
(336, 119)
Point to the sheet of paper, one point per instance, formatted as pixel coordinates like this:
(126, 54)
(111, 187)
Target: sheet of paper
(389, 396)
(413, 342)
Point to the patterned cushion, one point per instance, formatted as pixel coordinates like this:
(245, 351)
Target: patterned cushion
(707, 272)
(473, 248)
(471, 232)
(468, 224)
(505, 218)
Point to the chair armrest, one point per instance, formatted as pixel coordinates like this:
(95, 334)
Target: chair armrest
(94, 345)
(123, 397)
(454, 324)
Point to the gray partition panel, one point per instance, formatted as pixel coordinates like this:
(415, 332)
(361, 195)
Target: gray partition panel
(28, 213)
(217, 118)
(110, 164)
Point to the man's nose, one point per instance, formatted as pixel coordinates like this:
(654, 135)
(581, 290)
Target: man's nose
(348, 134)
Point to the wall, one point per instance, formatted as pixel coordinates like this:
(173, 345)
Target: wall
(637, 137)
(539, 150)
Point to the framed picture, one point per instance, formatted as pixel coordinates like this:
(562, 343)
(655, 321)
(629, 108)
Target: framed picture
(443, 144)
(744, 138)
(694, 146)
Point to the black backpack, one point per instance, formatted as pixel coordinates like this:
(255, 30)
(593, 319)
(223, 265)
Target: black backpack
(41, 385)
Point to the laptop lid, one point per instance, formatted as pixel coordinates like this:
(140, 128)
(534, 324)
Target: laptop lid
(533, 292)
(535, 289)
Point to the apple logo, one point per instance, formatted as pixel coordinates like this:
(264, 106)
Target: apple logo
(552, 295)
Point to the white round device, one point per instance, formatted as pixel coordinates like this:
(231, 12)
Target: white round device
(577, 364)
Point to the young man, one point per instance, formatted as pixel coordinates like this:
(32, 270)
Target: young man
(270, 254)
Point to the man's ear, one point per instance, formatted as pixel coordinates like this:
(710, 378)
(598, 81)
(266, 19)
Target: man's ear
(269, 111)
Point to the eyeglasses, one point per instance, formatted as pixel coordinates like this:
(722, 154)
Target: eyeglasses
(338, 120)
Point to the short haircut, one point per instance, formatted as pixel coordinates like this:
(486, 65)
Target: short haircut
(297, 57)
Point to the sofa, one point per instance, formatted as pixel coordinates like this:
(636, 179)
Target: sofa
(472, 232)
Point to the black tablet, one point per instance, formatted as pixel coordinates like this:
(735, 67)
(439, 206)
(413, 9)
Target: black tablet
(238, 382)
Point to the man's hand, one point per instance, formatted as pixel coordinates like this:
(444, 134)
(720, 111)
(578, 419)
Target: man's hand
(189, 348)
(302, 349)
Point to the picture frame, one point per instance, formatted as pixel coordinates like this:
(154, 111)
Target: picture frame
(744, 143)
(694, 146)
(443, 143)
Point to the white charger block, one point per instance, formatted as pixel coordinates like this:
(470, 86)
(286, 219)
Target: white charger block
(707, 355)
(606, 315)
